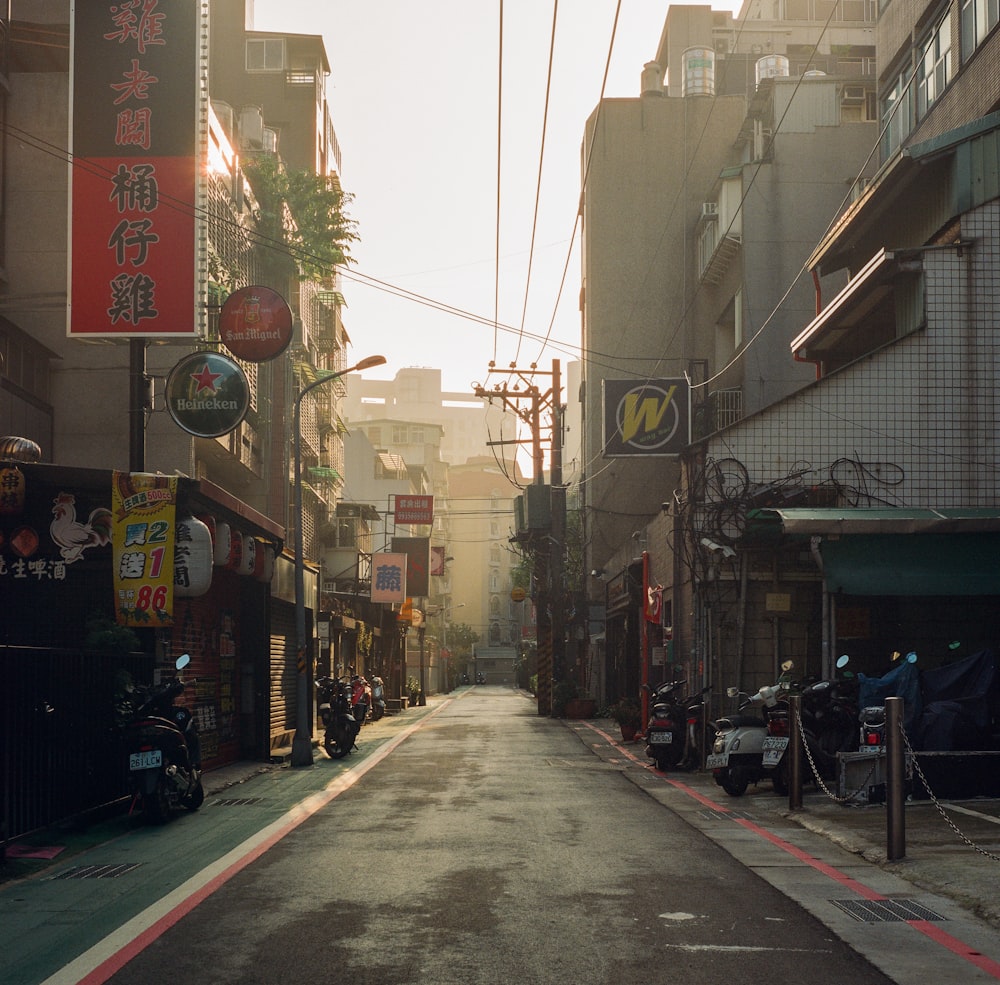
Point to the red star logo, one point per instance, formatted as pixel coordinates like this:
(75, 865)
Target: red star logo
(206, 379)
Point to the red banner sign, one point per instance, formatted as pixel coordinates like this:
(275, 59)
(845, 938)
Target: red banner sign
(134, 130)
(414, 509)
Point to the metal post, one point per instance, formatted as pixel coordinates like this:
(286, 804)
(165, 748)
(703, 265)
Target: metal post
(794, 753)
(422, 697)
(137, 405)
(302, 750)
(895, 780)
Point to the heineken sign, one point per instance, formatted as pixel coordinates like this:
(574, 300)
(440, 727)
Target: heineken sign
(255, 324)
(207, 394)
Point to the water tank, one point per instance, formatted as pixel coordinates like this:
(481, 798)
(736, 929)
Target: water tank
(699, 72)
(771, 67)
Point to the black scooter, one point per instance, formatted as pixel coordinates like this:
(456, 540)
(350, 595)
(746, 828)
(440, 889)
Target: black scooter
(675, 731)
(335, 709)
(164, 752)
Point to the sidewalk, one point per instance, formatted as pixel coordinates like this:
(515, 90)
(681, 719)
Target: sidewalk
(952, 848)
(30, 856)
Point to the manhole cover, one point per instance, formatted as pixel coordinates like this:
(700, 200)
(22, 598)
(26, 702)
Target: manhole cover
(98, 871)
(885, 910)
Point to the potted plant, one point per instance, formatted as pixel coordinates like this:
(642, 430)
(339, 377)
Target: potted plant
(628, 715)
(413, 689)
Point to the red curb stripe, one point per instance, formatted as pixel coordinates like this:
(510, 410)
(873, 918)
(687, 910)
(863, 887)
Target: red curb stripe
(927, 928)
(303, 811)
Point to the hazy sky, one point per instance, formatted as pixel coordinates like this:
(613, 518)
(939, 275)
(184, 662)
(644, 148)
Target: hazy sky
(413, 91)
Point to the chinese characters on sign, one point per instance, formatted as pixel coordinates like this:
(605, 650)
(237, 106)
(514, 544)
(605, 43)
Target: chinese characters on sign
(143, 508)
(388, 578)
(134, 136)
(413, 509)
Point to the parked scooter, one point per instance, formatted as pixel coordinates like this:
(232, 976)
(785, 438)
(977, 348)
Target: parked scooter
(901, 681)
(361, 699)
(164, 753)
(378, 698)
(737, 757)
(335, 709)
(829, 715)
(674, 732)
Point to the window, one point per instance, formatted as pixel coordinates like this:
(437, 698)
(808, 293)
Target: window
(979, 17)
(897, 114)
(265, 54)
(934, 69)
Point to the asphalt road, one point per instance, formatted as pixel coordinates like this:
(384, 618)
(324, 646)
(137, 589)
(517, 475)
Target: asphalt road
(490, 846)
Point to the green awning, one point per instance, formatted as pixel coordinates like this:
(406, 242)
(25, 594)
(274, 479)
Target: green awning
(893, 551)
(925, 564)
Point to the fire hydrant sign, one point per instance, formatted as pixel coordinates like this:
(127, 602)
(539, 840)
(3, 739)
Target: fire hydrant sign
(143, 508)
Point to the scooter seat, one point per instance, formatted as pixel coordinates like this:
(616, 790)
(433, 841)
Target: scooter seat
(741, 721)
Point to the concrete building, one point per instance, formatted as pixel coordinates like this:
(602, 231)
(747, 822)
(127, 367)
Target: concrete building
(703, 198)
(858, 514)
(415, 395)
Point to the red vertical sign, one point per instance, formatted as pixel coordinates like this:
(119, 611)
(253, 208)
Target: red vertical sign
(133, 179)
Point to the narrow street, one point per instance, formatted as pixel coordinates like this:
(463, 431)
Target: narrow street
(489, 846)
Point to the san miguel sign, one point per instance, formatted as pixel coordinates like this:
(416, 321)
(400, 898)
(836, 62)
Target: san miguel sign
(255, 324)
(134, 136)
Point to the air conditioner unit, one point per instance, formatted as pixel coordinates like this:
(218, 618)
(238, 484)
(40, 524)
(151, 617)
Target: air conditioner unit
(710, 210)
(853, 95)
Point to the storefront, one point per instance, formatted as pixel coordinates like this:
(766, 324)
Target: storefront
(63, 648)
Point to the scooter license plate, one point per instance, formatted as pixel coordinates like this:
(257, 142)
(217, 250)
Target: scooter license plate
(661, 738)
(149, 760)
(716, 760)
(774, 747)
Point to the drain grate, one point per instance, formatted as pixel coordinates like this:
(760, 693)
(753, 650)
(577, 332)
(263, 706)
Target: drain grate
(885, 910)
(725, 815)
(98, 871)
(238, 802)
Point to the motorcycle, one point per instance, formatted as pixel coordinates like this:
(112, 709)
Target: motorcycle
(674, 732)
(164, 752)
(361, 699)
(902, 682)
(378, 698)
(829, 715)
(737, 757)
(335, 709)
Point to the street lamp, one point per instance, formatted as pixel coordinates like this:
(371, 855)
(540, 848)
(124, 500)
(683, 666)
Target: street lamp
(302, 753)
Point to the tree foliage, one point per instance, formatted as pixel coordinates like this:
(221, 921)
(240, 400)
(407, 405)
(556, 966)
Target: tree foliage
(461, 638)
(301, 219)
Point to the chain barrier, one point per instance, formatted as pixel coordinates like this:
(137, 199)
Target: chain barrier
(937, 804)
(914, 761)
(819, 779)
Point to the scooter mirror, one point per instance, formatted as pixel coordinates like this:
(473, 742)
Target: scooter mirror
(842, 661)
(911, 657)
(182, 661)
(787, 666)
(732, 692)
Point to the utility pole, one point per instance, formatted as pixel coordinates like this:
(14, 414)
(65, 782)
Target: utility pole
(547, 543)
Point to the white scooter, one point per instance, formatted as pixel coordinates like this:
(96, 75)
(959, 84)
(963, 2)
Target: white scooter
(737, 757)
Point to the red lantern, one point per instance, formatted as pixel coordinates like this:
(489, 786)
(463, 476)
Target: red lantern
(236, 552)
(12, 489)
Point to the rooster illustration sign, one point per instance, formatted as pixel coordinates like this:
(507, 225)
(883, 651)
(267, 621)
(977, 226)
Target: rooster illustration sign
(73, 537)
